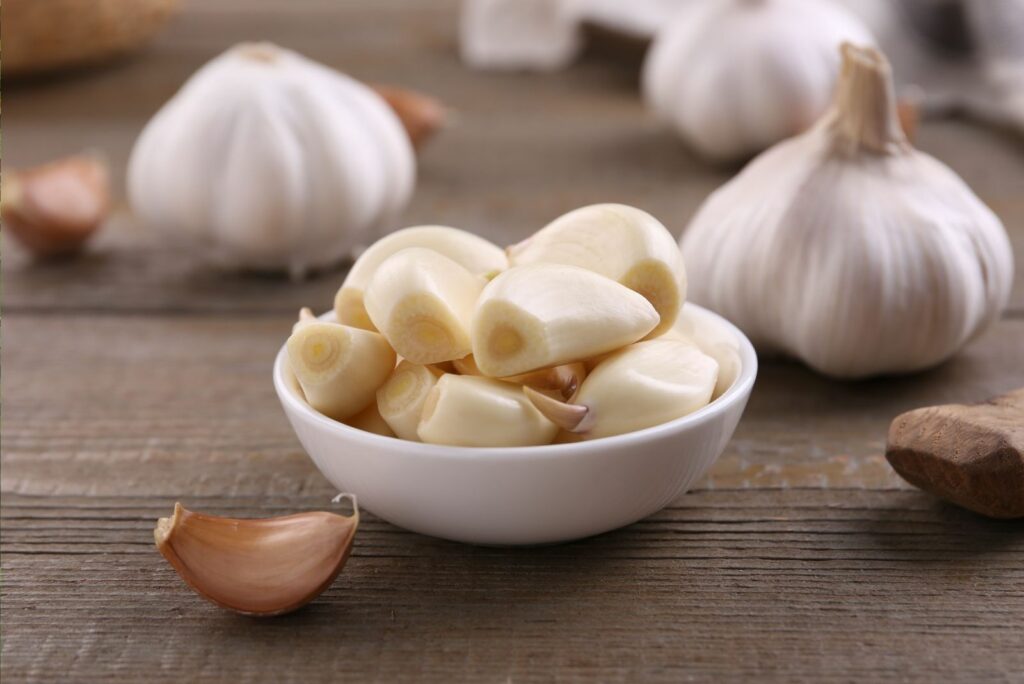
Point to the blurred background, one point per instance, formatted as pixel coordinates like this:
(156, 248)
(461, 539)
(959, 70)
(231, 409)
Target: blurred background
(523, 143)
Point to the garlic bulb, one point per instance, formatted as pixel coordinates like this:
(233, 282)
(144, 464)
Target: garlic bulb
(736, 76)
(846, 247)
(267, 160)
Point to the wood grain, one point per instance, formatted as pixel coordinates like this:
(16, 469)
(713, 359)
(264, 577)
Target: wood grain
(135, 376)
(762, 585)
(175, 405)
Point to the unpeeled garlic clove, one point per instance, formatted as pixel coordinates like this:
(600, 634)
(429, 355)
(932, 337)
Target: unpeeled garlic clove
(258, 567)
(421, 115)
(54, 208)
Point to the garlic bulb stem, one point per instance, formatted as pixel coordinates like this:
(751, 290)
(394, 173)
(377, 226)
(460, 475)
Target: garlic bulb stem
(865, 114)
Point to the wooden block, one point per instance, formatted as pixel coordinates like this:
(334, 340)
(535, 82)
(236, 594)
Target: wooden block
(971, 455)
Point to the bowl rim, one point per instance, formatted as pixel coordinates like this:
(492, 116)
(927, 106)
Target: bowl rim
(737, 392)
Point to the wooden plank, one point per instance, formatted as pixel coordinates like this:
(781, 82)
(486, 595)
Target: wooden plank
(526, 148)
(184, 405)
(775, 585)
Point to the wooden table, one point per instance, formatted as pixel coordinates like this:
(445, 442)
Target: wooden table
(134, 378)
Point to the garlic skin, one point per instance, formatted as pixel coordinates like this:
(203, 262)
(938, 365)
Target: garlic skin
(258, 567)
(846, 247)
(266, 160)
(736, 76)
(640, 386)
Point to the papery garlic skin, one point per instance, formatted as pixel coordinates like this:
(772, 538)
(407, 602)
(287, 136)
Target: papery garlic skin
(849, 249)
(468, 410)
(267, 160)
(639, 386)
(736, 76)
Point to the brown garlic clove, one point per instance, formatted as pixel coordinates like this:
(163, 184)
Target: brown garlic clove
(54, 208)
(568, 417)
(258, 567)
(421, 115)
(558, 381)
(909, 116)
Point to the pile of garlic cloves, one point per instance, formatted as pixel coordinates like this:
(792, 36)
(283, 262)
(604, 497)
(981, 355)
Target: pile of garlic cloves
(442, 337)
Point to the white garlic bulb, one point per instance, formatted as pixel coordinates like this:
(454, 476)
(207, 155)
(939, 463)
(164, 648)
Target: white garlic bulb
(267, 160)
(848, 248)
(734, 77)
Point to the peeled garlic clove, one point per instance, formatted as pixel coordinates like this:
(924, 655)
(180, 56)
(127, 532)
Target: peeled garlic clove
(259, 567)
(401, 398)
(305, 317)
(472, 252)
(370, 420)
(466, 410)
(846, 247)
(422, 301)
(543, 315)
(562, 381)
(646, 384)
(620, 242)
(53, 209)
(339, 367)
(768, 75)
(421, 115)
(267, 160)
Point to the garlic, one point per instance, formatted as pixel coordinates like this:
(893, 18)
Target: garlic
(543, 315)
(53, 209)
(370, 420)
(401, 398)
(422, 116)
(719, 344)
(257, 567)
(646, 384)
(470, 251)
(338, 367)
(620, 242)
(736, 76)
(421, 301)
(267, 160)
(465, 410)
(558, 381)
(846, 247)
(518, 34)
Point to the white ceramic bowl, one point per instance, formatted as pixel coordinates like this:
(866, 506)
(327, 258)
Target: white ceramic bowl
(526, 495)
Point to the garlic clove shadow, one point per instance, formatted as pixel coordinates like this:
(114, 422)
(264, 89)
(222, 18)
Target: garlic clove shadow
(260, 567)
